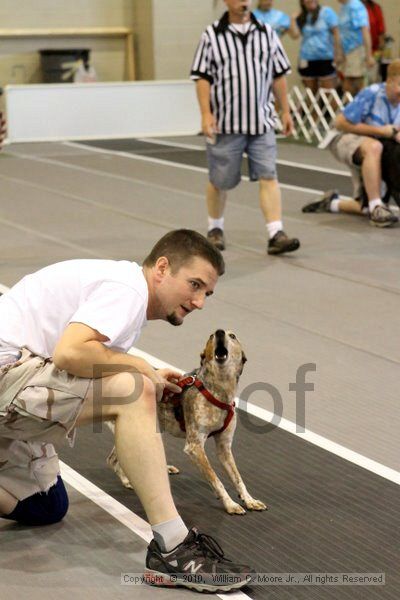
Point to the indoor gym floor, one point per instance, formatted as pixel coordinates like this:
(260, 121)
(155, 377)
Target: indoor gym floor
(334, 303)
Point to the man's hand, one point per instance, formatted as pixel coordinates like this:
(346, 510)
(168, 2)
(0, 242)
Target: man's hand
(370, 61)
(166, 379)
(208, 125)
(287, 123)
(387, 131)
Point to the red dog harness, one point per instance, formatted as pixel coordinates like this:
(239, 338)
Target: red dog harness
(177, 402)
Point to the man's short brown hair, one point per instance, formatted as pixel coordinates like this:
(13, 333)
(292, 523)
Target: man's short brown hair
(181, 246)
(394, 69)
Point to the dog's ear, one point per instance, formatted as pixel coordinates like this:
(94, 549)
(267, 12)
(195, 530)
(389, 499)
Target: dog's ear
(202, 357)
(244, 359)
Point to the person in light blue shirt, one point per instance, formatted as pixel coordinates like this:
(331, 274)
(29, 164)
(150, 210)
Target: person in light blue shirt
(356, 43)
(372, 116)
(320, 45)
(278, 20)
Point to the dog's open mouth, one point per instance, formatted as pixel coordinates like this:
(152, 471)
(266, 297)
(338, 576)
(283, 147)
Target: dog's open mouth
(221, 354)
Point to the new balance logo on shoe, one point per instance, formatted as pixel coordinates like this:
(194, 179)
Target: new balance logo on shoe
(192, 566)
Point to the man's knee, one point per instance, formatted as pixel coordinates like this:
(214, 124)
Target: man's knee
(371, 147)
(129, 388)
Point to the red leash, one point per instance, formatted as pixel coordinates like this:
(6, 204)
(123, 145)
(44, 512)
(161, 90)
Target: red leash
(177, 402)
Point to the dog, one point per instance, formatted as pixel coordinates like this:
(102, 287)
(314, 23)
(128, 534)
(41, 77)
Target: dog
(205, 408)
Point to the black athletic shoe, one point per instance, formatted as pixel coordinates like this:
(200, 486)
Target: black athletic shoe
(217, 238)
(197, 563)
(322, 205)
(280, 243)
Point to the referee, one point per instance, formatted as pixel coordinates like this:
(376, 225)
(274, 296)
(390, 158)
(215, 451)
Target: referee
(239, 68)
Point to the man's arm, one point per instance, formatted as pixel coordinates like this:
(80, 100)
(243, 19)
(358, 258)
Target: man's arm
(80, 348)
(337, 44)
(342, 124)
(368, 47)
(208, 123)
(279, 87)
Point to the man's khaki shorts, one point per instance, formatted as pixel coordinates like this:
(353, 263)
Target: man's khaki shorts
(355, 63)
(39, 405)
(343, 148)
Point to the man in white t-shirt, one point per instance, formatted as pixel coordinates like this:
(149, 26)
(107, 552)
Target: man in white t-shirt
(64, 336)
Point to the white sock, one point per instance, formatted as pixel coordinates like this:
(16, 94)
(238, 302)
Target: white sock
(373, 203)
(169, 534)
(273, 228)
(213, 223)
(334, 205)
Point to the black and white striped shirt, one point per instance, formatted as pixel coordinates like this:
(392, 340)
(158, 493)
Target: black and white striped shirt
(241, 69)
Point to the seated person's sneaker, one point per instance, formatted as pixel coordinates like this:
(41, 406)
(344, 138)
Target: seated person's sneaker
(322, 205)
(280, 243)
(197, 563)
(382, 216)
(217, 238)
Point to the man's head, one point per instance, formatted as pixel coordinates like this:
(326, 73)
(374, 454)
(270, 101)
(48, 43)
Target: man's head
(181, 271)
(265, 4)
(238, 8)
(393, 82)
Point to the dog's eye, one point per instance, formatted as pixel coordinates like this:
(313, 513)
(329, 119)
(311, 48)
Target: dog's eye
(233, 336)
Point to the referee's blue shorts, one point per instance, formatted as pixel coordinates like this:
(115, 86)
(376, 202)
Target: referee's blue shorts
(43, 508)
(225, 158)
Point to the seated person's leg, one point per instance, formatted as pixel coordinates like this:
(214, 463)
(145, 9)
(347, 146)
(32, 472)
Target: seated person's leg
(43, 508)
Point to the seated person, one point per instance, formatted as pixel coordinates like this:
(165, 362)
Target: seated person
(374, 113)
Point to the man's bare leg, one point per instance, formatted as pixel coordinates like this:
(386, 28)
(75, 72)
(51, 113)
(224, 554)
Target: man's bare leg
(371, 151)
(139, 444)
(350, 206)
(270, 200)
(216, 200)
(7, 502)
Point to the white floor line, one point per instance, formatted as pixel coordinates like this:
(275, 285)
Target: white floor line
(101, 498)
(279, 161)
(120, 512)
(170, 163)
(151, 160)
(289, 426)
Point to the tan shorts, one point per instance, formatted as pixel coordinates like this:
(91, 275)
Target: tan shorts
(39, 405)
(343, 147)
(355, 63)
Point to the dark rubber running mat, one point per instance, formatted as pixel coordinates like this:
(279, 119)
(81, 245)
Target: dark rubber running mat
(197, 158)
(326, 515)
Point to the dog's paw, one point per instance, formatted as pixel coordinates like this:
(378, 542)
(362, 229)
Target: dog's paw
(172, 470)
(233, 508)
(253, 504)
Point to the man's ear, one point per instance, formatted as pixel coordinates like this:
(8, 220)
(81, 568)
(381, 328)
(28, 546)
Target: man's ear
(161, 267)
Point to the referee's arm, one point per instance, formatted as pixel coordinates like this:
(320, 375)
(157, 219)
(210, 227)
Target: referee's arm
(208, 124)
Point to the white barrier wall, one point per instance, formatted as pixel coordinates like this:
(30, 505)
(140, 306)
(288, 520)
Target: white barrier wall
(76, 111)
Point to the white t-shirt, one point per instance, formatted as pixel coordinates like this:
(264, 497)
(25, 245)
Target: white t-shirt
(109, 296)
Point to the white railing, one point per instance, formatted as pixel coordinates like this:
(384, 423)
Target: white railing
(313, 114)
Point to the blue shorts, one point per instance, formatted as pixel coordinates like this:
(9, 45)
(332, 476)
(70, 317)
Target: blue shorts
(43, 508)
(225, 158)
